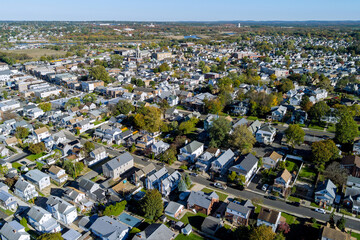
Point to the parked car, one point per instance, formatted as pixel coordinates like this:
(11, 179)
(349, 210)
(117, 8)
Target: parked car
(219, 185)
(161, 164)
(320, 210)
(265, 187)
(296, 204)
(193, 174)
(271, 197)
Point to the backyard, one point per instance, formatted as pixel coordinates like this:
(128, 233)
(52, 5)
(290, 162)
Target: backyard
(33, 157)
(307, 173)
(195, 220)
(191, 236)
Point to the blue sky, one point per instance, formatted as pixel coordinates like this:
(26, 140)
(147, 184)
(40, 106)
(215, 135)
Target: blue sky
(180, 10)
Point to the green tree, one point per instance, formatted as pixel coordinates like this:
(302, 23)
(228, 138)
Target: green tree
(188, 181)
(319, 110)
(219, 131)
(341, 223)
(149, 120)
(346, 130)
(188, 126)
(89, 98)
(262, 233)
(242, 139)
(305, 103)
(25, 224)
(323, 151)
(213, 106)
(46, 107)
(89, 146)
(99, 73)
(182, 185)
(37, 148)
(72, 102)
(116, 209)
(294, 135)
(286, 85)
(123, 107)
(21, 132)
(152, 205)
(5, 94)
(169, 156)
(50, 236)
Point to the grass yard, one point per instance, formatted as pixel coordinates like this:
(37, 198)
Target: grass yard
(195, 220)
(316, 127)
(355, 235)
(222, 196)
(307, 172)
(331, 128)
(99, 121)
(293, 199)
(257, 209)
(85, 135)
(291, 166)
(16, 165)
(290, 219)
(192, 236)
(7, 212)
(33, 157)
(37, 52)
(252, 118)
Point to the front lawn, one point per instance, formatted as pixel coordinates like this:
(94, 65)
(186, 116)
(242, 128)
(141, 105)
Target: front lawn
(331, 128)
(293, 199)
(290, 219)
(7, 212)
(16, 165)
(222, 196)
(195, 220)
(191, 236)
(355, 235)
(33, 157)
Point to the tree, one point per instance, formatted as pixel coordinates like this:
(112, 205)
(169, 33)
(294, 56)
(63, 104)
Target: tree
(37, 148)
(323, 151)
(5, 94)
(149, 120)
(294, 135)
(242, 139)
(46, 107)
(346, 129)
(331, 219)
(188, 181)
(286, 85)
(50, 236)
(336, 173)
(72, 102)
(341, 223)
(319, 110)
(182, 185)
(89, 98)
(89, 146)
(99, 73)
(25, 224)
(213, 106)
(305, 103)
(21, 132)
(262, 233)
(219, 131)
(242, 233)
(123, 107)
(188, 126)
(116, 209)
(169, 156)
(8, 115)
(284, 227)
(152, 205)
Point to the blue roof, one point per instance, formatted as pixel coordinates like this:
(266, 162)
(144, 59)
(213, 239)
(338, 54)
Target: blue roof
(129, 220)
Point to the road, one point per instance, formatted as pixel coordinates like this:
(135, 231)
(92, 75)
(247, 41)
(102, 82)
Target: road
(309, 132)
(245, 194)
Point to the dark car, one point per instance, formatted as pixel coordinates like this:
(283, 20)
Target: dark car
(271, 197)
(296, 204)
(161, 164)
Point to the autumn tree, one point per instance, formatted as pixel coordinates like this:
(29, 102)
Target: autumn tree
(188, 126)
(323, 151)
(242, 139)
(294, 135)
(50, 236)
(152, 205)
(46, 107)
(149, 119)
(99, 73)
(305, 103)
(219, 132)
(213, 106)
(21, 132)
(262, 232)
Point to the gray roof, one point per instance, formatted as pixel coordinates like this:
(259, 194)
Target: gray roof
(60, 205)
(329, 186)
(211, 223)
(87, 184)
(21, 184)
(35, 175)
(201, 199)
(4, 196)
(225, 157)
(241, 208)
(109, 228)
(172, 207)
(191, 147)
(99, 150)
(71, 235)
(254, 126)
(37, 213)
(353, 179)
(245, 165)
(155, 231)
(13, 231)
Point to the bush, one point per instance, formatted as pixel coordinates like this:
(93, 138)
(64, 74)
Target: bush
(115, 210)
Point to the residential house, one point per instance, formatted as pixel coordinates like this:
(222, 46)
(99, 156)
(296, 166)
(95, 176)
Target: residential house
(238, 213)
(271, 159)
(352, 199)
(279, 113)
(204, 160)
(41, 133)
(191, 151)
(72, 235)
(83, 125)
(155, 231)
(4, 151)
(78, 198)
(145, 141)
(254, 126)
(159, 147)
(14, 231)
(266, 134)
(40, 179)
(210, 225)
(356, 148)
(153, 181)
(58, 174)
(107, 228)
(141, 174)
(222, 163)
(299, 116)
(282, 181)
(42, 221)
(92, 190)
(174, 209)
(269, 217)
(353, 182)
(352, 163)
(325, 193)
(96, 156)
(202, 202)
(328, 233)
(25, 190)
(117, 166)
(170, 183)
(247, 167)
(61, 210)
(7, 201)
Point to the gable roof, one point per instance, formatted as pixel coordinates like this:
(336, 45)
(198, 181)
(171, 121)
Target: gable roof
(225, 157)
(285, 174)
(351, 160)
(41, 130)
(329, 186)
(155, 231)
(268, 215)
(109, 228)
(193, 146)
(201, 199)
(246, 164)
(13, 231)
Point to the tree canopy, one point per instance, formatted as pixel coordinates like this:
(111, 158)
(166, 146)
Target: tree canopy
(152, 205)
(242, 139)
(99, 73)
(219, 132)
(46, 107)
(294, 135)
(262, 233)
(149, 119)
(318, 110)
(323, 151)
(21, 132)
(346, 130)
(50, 236)
(188, 126)
(89, 98)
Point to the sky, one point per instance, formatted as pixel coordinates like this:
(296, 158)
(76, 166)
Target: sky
(179, 10)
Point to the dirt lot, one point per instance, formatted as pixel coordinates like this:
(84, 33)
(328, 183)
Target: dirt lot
(37, 52)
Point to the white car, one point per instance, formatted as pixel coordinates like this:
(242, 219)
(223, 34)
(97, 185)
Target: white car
(320, 210)
(219, 185)
(265, 187)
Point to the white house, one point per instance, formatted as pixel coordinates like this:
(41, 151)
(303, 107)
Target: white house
(96, 155)
(266, 134)
(107, 228)
(279, 113)
(159, 147)
(42, 133)
(40, 179)
(58, 174)
(25, 190)
(247, 167)
(191, 151)
(7, 201)
(223, 162)
(42, 221)
(61, 210)
(271, 159)
(269, 217)
(14, 231)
